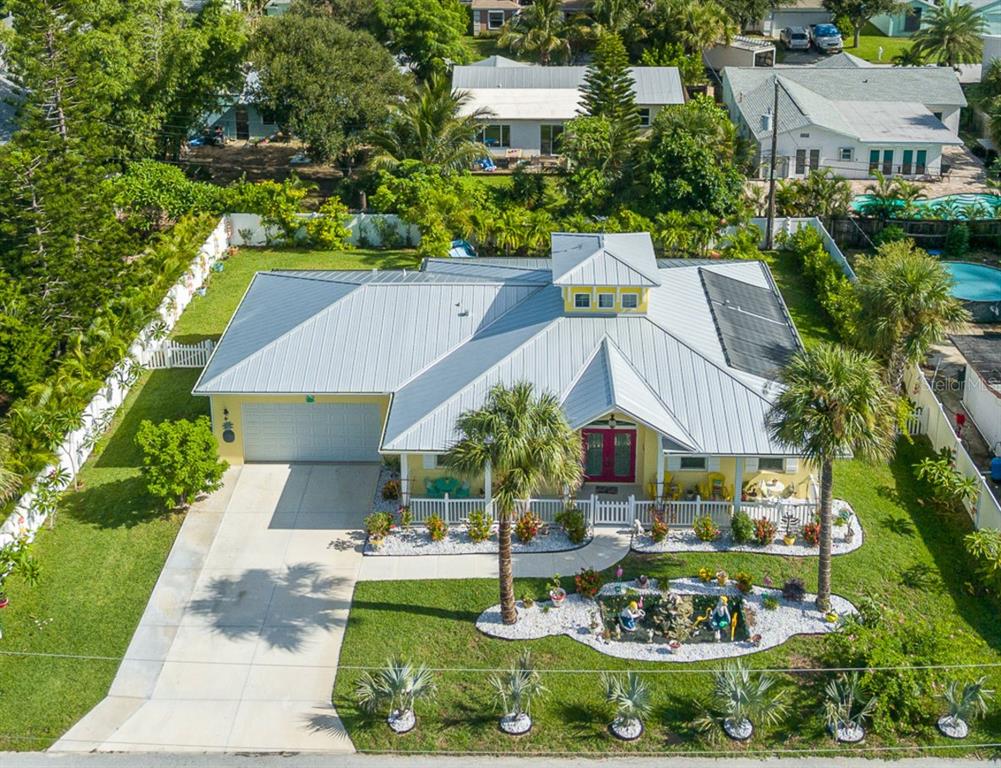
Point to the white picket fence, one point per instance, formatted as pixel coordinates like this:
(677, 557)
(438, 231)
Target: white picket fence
(172, 354)
(29, 513)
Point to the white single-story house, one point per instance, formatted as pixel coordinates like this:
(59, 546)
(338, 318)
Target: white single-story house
(240, 117)
(666, 368)
(800, 13)
(530, 104)
(849, 116)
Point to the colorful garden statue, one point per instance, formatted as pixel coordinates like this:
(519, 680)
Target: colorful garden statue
(719, 619)
(629, 616)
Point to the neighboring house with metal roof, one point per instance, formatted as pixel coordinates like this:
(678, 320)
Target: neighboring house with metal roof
(667, 368)
(530, 104)
(851, 118)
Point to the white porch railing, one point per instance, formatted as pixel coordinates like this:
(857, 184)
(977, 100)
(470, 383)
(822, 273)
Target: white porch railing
(678, 514)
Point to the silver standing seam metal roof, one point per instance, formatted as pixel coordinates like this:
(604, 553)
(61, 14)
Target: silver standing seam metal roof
(604, 259)
(437, 341)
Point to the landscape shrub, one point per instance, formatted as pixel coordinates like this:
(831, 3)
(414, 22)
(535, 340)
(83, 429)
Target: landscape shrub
(658, 528)
(705, 529)
(437, 528)
(957, 240)
(741, 527)
(984, 547)
(406, 517)
(833, 289)
(572, 520)
(794, 590)
(378, 524)
(764, 531)
(770, 603)
(329, 229)
(391, 490)
(744, 581)
(527, 526)
(811, 533)
(478, 525)
(588, 582)
(180, 459)
(889, 234)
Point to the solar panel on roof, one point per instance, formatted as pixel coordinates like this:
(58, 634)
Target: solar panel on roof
(753, 328)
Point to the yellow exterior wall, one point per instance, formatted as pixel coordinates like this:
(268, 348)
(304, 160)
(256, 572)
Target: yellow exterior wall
(593, 291)
(233, 452)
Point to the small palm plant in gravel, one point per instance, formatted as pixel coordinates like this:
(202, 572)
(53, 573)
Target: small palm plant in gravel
(964, 703)
(846, 708)
(395, 688)
(740, 702)
(630, 696)
(515, 690)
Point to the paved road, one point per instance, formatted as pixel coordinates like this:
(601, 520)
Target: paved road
(237, 649)
(164, 760)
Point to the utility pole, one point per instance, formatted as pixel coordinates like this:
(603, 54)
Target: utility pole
(770, 234)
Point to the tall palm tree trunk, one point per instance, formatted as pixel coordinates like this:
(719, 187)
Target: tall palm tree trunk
(826, 533)
(508, 613)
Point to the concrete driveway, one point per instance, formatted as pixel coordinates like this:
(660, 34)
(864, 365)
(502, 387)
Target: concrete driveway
(238, 647)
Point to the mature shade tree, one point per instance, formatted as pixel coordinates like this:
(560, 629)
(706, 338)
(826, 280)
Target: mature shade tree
(952, 34)
(690, 65)
(858, 12)
(525, 439)
(428, 33)
(430, 126)
(356, 14)
(748, 13)
(906, 305)
(597, 152)
(688, 162)
(539, 30)
(608, 87)
(835, 403)
(326, 83)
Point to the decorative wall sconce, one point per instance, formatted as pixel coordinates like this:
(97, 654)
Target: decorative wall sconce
(228, 435)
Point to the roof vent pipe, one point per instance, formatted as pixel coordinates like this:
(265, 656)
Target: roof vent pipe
(766, 121)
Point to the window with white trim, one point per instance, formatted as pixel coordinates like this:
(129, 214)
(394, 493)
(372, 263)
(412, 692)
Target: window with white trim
(606, 300)
(630, 301)
(693, 463)
(582, 300)
(644, 117)
(495, 135)
(771, 464)
(846, 154)
(495, 19)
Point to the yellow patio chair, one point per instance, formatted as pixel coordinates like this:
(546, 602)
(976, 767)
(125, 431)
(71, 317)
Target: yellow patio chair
(715, 487)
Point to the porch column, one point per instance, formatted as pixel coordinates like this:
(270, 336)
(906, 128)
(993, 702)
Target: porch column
(660, 470)
(404, 479)
(738, 482)
(488, 484)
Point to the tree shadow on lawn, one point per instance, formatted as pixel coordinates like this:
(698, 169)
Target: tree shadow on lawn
(391, 259)
(584, 722)
(359, 606)
(114, 504)
(943, 536)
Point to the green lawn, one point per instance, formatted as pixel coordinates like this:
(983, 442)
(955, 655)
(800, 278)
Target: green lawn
(912, 559)
(207, 315)
(870, 42)
(481, 47)
(99, 565)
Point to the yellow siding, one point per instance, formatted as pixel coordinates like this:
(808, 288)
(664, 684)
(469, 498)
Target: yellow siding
(593, 291)
(233, 452)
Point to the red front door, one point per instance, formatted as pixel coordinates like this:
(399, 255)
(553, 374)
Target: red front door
(609, 455)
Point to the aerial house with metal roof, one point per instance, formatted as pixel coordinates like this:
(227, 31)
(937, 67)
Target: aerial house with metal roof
(667, 368)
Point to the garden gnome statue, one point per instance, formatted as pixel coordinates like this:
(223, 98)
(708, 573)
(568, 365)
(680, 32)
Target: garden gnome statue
(630, 615)
(719, 619)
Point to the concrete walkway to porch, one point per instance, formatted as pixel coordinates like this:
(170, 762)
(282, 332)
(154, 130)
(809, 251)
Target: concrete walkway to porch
(608, 546)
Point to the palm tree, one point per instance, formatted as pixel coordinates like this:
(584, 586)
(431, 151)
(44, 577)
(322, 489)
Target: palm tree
(906, 305)
(540, 30)
(834, 403)
(964, 704)
(515, 690)
(740, 703)
(911, 56)
(846, 708)
(395, 688)
(630, 696)
(430, 126)
(695, 24)
(10, 479)
(951, 35)
(825, 194)
(526, 441)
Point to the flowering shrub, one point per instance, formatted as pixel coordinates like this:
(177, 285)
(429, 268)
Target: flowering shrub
(707, 574)
(811, 532)
(406, 517)
(743, 580)
(764, 531)
(658, 528)
(705, 529)
(391, 490)
(527, 527)
(588, 582)
(437, 528)
(478, 525)
(378, 523)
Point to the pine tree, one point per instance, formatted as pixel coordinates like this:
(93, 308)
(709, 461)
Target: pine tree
(608, 85)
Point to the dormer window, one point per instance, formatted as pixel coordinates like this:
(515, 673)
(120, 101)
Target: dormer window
(630, 301)
(606, 301)
(582, 300)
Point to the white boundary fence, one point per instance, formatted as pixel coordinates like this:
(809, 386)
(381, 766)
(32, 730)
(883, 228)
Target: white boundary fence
(171, 354)
(29, 513)
(367, 229)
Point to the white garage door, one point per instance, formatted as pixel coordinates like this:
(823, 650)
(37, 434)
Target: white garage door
(311, 432)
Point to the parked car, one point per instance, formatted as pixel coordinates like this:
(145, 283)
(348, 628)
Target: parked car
(795, 38)
(827, 38)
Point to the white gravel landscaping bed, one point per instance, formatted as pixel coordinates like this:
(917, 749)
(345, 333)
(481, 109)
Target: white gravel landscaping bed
(416, 541)
(574, 618)
(687, 541)
(380, 504)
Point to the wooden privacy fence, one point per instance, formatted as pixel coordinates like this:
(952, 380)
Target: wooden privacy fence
(171, 354)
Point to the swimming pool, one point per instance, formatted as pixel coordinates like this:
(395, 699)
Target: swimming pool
(979, 287)
(980, 204)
